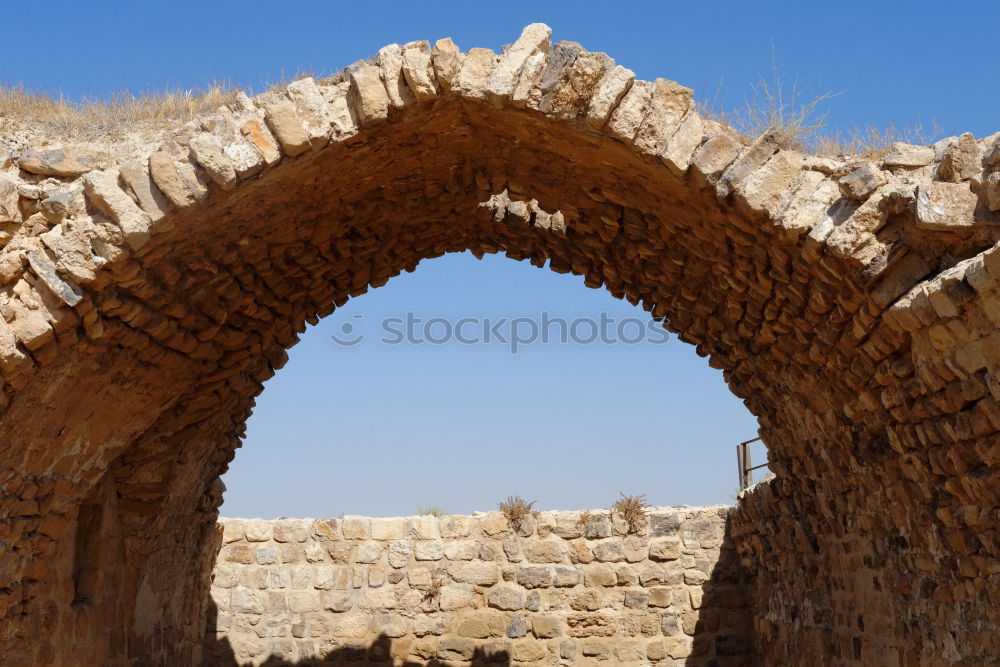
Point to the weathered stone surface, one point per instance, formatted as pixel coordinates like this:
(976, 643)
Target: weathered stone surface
(135, 175)
(901, 154)
(961, 160)
(627, 117)
(668, 103)
(473, 78)
(570, 97)
(390, 62)
(284, 121)
(102, 189)
(311, 107)
(9, 210)
(945, 206)
(863, 180)
(534, 41)
(67, 161)
(447, 60)
(610, 91)
(176, 180)
(207, 150)
(419, 71)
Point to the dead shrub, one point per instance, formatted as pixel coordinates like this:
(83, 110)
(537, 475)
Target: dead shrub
(516, 509)
(631, 509)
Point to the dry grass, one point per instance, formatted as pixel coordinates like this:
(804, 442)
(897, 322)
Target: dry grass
(434, 591)
(586, 516)
(798, 118)
(430, 510)
(872, 142)
(516, 509)
(632, 509)
(120, 113)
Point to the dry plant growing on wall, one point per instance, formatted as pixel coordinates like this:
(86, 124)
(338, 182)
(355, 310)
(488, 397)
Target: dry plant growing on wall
(631, 509)
(516, 509)
(434, 592)
(430, 510)
(586, 516)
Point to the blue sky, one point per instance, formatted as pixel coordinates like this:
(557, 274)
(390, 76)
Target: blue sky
(381, 429)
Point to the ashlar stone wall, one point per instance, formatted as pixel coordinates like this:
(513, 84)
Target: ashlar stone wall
(566, 588)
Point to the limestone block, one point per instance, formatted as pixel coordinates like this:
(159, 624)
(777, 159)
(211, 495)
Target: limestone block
(102, 189)
(627, 117)
(479, 573)
(713, 157)
(765, 191)
(901, 154)
(610, 91)
(66, 161)
(424, 528)
(570, 96)
(863, 180)
(945, 206)
(207, 150)
(447, 60)
(755, 155)
(668, 103)
(494, 523)
(472, 79)
(135, 175)
(257, 530)
(31, 329)
(9, 209)
(290, 530)
(811, 197)
(287, 126)
(389, 529)
(500, 85)
(338, 111)
(961, 161)
(43, 266)
(455, 597)
(461, 550)
(368, 98)
(399, 554)
(418, 70)
(683, 143)
(176, 180)
(262, 139)
(428, 550)
(505, 598)
(991, 187)
(243, 155)
(390, 62)
(310, 105)
(355, 528)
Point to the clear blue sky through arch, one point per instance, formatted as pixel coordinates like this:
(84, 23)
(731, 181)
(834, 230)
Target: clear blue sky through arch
(381, 429)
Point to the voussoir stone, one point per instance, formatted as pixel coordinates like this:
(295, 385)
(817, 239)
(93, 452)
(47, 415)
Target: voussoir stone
(103, 190)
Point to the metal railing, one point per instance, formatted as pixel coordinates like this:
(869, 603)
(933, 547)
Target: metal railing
(745, 464)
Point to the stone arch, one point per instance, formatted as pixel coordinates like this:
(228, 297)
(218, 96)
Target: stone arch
(850, 303)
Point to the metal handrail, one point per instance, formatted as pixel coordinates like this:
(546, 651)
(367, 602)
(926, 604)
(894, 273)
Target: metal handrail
(745, 465)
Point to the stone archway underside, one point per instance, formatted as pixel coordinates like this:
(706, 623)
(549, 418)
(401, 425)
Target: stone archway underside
(853, 304)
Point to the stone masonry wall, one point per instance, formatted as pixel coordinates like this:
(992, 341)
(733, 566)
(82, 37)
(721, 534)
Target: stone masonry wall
(567, 588)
